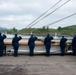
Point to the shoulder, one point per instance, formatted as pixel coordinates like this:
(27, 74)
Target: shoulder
(4, 36)
(51, 37)
(65, 38)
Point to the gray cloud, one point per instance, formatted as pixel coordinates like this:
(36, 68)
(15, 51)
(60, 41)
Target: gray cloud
(20, 13)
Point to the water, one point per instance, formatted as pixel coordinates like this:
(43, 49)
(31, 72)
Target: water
(26, 37)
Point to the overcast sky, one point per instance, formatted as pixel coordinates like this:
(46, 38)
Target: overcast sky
(20, 13)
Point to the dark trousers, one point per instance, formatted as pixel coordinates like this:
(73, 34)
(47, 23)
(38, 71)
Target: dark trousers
(47, 50)
(1, 50)
(62, 51)
(74, 50)
(15, 51)
(31, 51)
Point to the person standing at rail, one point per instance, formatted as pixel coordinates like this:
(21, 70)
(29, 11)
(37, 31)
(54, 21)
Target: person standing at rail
(15, 44)
(47, 43)
(31, 44)
(74, 45)
(2, 44)
(63, 45)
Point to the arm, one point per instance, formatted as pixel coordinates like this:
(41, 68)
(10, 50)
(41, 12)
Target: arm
(12, 42)
(4, 36)
(45, 41)
(20, 37)
(52, 38)
(66, 39)
(35, 38)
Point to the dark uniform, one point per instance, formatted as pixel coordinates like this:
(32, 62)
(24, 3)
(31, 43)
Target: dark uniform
(47, 43)
(63, 45)
(31, 44)
(74, 45)
(2, 44)
(15, 44)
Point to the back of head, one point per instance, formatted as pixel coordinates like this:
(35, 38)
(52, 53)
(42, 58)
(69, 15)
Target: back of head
(48, 34)
(75, 36)
(62, 36)
(32, 35)
(15, 35)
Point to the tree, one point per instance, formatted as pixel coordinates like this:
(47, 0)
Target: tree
(44, 28)
(14, 29)
(59, 28)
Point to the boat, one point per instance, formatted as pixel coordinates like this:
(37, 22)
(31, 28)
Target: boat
(39, 46)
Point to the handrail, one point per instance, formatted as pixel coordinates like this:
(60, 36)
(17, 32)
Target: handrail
(37, 43)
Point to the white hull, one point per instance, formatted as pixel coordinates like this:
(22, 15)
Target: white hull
(39, 49)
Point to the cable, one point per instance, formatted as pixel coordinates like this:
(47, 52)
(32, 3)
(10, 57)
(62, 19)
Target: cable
(60, 19)
(44, 13)
(50, 13)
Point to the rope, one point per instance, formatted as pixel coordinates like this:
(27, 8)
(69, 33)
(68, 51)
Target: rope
(60, 19)
(44, 13)
(50, 13)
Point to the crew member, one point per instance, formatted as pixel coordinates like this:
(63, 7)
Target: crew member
(63, 45)
(47, 43)
(74, 45)
(2, 37)
(15, 44)
(31, 44)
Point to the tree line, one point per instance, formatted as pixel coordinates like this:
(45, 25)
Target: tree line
(67, 31)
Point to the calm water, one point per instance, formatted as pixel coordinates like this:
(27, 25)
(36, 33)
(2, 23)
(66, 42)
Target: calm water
(25, 38)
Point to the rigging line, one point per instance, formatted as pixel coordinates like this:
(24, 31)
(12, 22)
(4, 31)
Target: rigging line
(60, 19)
(44, 13)
(50, 13)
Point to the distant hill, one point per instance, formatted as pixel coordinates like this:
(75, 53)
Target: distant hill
(2, 29)
(70, 27)
(68, 30)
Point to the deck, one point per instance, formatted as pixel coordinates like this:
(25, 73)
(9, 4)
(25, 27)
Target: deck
(38, 65)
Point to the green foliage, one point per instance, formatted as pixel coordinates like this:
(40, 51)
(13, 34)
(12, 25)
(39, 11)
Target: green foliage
(59, 28)
(67, 31)
(13, 30)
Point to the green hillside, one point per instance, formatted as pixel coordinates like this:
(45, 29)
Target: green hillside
(69, 30)
(37, 31)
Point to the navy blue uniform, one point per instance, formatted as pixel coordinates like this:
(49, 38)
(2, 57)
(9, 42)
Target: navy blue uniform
(63, 45)
(47, 43)
(31, 43)
(15, 44)
(74, 45)
(2, 44)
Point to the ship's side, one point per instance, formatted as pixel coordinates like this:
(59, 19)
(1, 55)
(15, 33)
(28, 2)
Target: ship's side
(39, 46)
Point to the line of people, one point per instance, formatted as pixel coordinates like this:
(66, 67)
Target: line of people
(31, 44)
